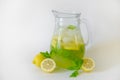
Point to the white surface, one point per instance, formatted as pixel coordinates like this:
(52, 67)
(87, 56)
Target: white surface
(26, 27)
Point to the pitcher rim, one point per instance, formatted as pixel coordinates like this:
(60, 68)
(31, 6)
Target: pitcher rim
(67, 13)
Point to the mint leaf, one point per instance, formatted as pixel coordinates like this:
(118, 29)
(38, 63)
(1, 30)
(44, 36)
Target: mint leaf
(72, 27)
(46, 54)
(74, 74)
(74, 68)
(78, 65)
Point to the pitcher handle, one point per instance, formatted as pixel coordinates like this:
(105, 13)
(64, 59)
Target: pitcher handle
(88, 36)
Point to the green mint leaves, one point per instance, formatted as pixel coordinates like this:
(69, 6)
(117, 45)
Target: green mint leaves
(46, 54)
(76, 68)
(78, 65)
(71, 27)
(74, 74)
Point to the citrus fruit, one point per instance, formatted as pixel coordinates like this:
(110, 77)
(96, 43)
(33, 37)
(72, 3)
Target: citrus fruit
(70, 46)
(88, 64)
(38, 59)
(48, 65)
(54, 41)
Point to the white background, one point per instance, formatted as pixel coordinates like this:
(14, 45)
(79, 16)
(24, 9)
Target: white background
(26, 28)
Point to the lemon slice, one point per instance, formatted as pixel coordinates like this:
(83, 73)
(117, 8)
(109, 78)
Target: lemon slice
(48, 65)
(38, 59)
(70, 46)
(54, 41)
(88, 64)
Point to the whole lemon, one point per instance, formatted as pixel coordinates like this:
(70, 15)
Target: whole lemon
(38, 59)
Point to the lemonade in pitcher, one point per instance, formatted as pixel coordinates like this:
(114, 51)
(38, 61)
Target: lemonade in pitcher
(67, 45)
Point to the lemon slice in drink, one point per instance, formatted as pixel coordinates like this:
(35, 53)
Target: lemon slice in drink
(48, 65)
(54, 41)
(70, 46)
(88, 64)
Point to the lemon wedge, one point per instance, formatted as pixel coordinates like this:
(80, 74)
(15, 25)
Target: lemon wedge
(48, 65)
(88, 64)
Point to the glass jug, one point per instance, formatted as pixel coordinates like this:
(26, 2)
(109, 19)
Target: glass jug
(67, 45)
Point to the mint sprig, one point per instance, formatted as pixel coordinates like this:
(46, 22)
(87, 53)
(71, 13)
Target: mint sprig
(74, 74)
(45, 54)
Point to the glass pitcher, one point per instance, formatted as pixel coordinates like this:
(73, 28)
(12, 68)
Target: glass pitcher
(67, 45)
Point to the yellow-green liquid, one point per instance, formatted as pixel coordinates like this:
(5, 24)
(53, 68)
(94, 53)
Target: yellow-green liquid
(67, 55)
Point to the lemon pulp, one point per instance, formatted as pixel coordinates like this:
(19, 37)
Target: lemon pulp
(48, 65)
(88, 64)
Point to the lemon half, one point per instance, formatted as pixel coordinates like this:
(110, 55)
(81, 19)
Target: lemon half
(48, 65)
(88, 64)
